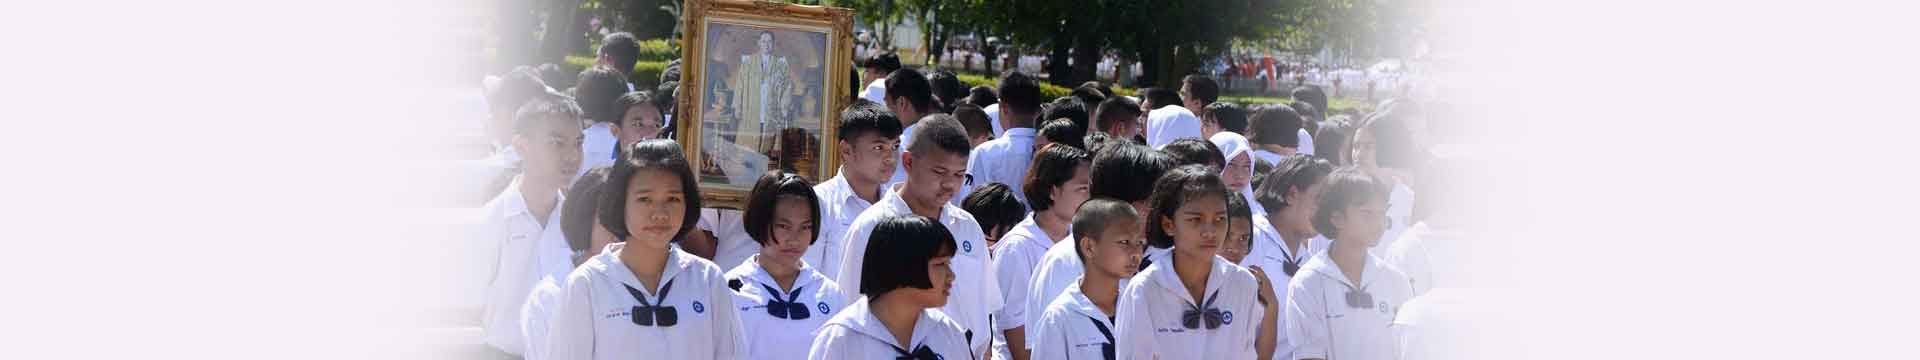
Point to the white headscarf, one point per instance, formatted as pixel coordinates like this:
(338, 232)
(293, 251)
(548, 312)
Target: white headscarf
(1166, 124)
(1233, 145)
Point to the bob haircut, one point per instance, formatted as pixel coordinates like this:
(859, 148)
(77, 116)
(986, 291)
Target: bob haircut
(1174, 190)
(1192, 151)
(1330, 142)
(908, 243)
(1393, 142)
(1096, 215)
(1294, 172)
(597, 90)
(636, 98)
(1052, 166)
(652, 154)
(1239, 212)
(765, 197)
(576, 217)
(1126, 171)
(993, 206)
(1275, 125)
(1346, 187)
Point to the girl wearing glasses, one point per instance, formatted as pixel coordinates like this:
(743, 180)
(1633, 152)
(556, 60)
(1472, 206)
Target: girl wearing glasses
(1189, 303)
(782, 300)
(1342, 302)
(644, 297)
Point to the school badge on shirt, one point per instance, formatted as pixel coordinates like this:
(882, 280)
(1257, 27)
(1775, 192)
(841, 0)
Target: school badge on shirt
(967, 246)
(698, 308)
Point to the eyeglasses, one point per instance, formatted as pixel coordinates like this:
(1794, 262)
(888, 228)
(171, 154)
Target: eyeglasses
(652, 314)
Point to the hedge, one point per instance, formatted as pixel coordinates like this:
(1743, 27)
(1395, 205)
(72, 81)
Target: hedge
(645, 75)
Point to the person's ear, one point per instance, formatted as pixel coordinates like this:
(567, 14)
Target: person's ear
(520, 144)
(1166, 223)
(1086, 247)
(906, 160)
(846, 150)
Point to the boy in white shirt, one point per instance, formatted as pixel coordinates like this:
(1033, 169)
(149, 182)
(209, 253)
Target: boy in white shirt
(1004, 159)
(597, 89)
(935, 162)
(580, 222)
(875, 74)
(1078, 324)
(529, 247)
(1343, 301)
(869, 145)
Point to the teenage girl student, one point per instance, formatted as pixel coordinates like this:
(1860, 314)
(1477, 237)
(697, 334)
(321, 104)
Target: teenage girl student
(1383, 146)
(782, 300)
(1342, 303)
(1056, 185)
(579, 221)
(1284, 239)
(644, 296)
(1238, 172)
(1239, 244)
(1078, 324)
(1189, 303)
(897, 317)
(995, 208)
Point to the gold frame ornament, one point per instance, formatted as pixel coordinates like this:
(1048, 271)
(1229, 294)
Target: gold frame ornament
(715, 116)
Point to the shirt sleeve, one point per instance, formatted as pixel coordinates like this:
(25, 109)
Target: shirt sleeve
(851, 255)
(1133, 330)
(729, 336)
(1306, 321)
(1013, 275)
(826, 345)
(533, 318)
(570, 330)
(1052, 343)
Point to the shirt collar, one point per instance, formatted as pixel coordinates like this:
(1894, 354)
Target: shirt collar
(610, 264)
(865, 323)
(1170, 281)
(806, 278)
(843, 191)
(1039, 240)
(1019, 132)
(516, 202)
(1080, 303)
(1323, 263)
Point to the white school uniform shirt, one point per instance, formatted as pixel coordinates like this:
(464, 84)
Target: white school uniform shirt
(993, 118)
(524, 253)
(1166, 124)
(731, 244)
(899, 163)
(1057, 272)
(839, 205)
(1073, 328)
(535, 314)
(1400, 216)
(1271, 254)
(598, 147)
(1431, 256)
(876, 92)
(1015, 258)
(1003, 160)
(855, 333)
(770, 337)
(595, 319)
(1152, 308)
(1322, 325)
(1306, 142)
(976, 292)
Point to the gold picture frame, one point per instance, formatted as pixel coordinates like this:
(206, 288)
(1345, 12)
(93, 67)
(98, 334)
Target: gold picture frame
(761, 84)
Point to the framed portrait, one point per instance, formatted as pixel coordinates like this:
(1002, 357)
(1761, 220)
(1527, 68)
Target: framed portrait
(760, 85)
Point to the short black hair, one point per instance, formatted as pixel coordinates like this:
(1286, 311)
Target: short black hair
(544, 109)
(911, 84)
(1311, 95)
(1295, 172)
(1052, 166)
(1172, 191)
(982, 96)
(1160, 97)
(1202, 87)
(863, 117)
(1019, 92)
(1063, 131)
(652, 154)
(1070, 108)
(1344, 188)
(1331, 141)
(940, 131)
(623, 49)
(1309, 118)
(1126, 171)
(596, 90)
(1275, 125)
(576, 217)
(974, 119)
(1232, 117)
(885, 62)
(1096, 215)
(672, 72)
(765, 197)
(663, 96)
(1115, 110)
(1089, 93)
(947, 89)
(1094, 139)
(993, 206)
(515, 89)
(899, 250)
(1393, 141)
(1238, 211)
(632, 99)
(1196, 151)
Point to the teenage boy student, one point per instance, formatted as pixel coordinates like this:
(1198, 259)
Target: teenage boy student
(869, 145)
(1004, 159)
(910, 97)
(523, 221)
(936, 167)
(1078, 324)
(597, 90)
(877, 68)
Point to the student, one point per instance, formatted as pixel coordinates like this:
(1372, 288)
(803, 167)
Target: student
(1005, 158)
(1078, 324)
(1342, 302)
(1284, 239)
(598, 89)
(910, 97)
(1121, 171)
(1071, 108)
(1273, 132)
(896, 318)
(522, 221)
(976, 122)
(998, 211)
(620, 51)
(640, 117)
(1383, 146)
(1117, 117)
(504, 97)
(876, 70)
(1189, 302)
(1089, 93)
(581, 225)
(781, 300)
(1154, 98)
(935, 162)
(1309, 124)
(1236, 249)
(1166, 124)
(1238, 173)
(1332, 139)
(869, 144)
(1056, 187)
(983, 96)
(1060, 131)
(1436, 251)
(947, 90)
(1223, 116)
(643, 296)
(1197, 91)
(1195, 151)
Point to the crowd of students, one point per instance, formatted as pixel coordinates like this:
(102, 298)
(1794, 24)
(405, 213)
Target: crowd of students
(964, 224)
